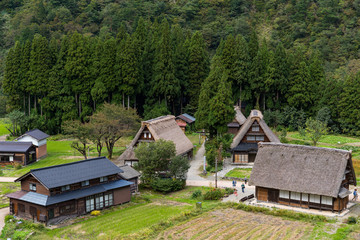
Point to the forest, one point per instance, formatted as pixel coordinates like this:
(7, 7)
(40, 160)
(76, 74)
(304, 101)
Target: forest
(61, 60)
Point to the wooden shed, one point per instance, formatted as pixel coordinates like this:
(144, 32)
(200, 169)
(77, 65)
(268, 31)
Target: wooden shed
(303, 176)
(38, 139)
(164, 127)
(22, 153)
(254, 130)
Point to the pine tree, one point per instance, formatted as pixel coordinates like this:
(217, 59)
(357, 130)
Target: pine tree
(24, 75)
(198, 67)
(317, 78)
(241, 66)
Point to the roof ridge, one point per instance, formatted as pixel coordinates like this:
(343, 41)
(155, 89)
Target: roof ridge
(305, 146)
(65, 164)
(159, 119)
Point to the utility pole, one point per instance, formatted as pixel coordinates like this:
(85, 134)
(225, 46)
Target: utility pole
(216, 163)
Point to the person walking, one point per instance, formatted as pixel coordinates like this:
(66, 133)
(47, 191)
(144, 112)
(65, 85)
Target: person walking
(243, 187)
(245, 179)
(355, 195)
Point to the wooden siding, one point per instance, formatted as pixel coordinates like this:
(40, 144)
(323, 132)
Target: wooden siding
(41, 151)
(40, 210)
(250, 132)
(122, 195)
(262, 193)
(25, 185)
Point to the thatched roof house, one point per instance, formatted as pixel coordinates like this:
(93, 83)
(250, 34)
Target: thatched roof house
(164, 127)
(305, 176)
(238, 121)
(254, 130)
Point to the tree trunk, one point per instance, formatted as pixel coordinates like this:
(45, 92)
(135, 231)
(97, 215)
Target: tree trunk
(35, 103)
(79, 107)
(123, 100)
(94, 105)
(29, 98)
(257, 106)
(128, 101)
(41, 113)
(24, 104)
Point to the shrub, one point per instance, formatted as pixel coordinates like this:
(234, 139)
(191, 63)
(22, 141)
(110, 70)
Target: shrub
(229, 191)
(351, 220)
(17, 166)
(196, 194)
(95, 213)
(213, 194)
(167, 185)
(8, 218)
(20, 235)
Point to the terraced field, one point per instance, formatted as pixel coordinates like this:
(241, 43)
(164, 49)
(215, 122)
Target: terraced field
(237, 224)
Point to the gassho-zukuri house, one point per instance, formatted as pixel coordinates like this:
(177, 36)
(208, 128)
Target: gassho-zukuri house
(164, 127)
(69, 189)
(245, 143)
(303, 176)
(238, 121)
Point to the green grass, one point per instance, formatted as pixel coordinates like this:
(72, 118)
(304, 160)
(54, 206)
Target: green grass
(3, 125)
(6, 188)
(239, 173)
(329, 139)
(194, 138)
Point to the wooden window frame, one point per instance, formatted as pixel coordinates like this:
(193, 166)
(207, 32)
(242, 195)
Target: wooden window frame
(85, 183)
(32, 187)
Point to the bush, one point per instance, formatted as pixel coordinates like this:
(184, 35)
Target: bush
(95, 213)
(229, 191)
(1, 173)
(351, 220)
(20, 235)
(167, 185)
(196, 194)
(214, 194)
(17, 166)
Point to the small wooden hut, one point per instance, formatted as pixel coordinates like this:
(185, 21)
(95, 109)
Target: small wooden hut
(164, 127)
(303, 176)
(254, 130)
(185, 120)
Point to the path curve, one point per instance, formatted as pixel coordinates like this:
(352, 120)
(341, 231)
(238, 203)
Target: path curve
(7, 179)
(3, 213)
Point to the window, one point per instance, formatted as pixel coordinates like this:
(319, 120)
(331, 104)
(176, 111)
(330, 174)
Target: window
(241, 158)
(4, 158)
(259, 138)
(108, 197)
(65, 188)
(326, 200)
(295, 196)
(67, 208)
(103, 179)
(85, 183)
(21, 207)
(99, 200)
(251, 138)
(33, 187)
(90, 204)
(314, 198)
(149, 135)
(255, 128)
(145, 135)
(304, 197)
(284, 194)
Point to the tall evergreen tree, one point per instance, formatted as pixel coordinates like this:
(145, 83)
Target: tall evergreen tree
(198, 67)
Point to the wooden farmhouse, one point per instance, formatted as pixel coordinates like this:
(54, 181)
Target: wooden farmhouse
(22, 153)
(303, 176)
(130, 175)
(69, 189)
(184, 120)
(38, 139)
(164, 127)
(245, 143)
(238, 121)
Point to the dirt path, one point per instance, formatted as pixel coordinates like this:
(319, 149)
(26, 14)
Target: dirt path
(195, 164)
(3, 137)
(7, 179)
(3, 213)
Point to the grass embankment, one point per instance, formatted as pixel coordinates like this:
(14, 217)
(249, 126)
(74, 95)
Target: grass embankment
(239, 173)
(6, 188)
(194, 138)
(3, 124)
(60, 152)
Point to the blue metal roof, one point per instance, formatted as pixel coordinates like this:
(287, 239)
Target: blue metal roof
(69, 173)
(189, 116)
(45, 200)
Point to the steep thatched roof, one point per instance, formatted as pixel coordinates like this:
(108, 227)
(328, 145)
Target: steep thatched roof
(254, 115)
(239, 117)
(298, 168)
(164, 127)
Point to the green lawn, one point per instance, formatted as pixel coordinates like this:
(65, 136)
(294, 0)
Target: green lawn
(329, 139)
(60, 152)
(3, 126)
(194, 138)
(239, 173)
(6, 188)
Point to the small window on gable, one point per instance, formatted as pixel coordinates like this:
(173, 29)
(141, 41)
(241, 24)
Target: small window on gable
(250, 138)
(103, 179)
(85, 183)
(33, 187)
(145, 135)
(149, 135)
(255, 113)
(255, 128)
